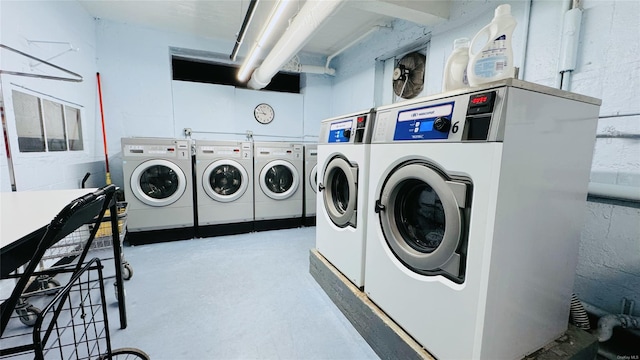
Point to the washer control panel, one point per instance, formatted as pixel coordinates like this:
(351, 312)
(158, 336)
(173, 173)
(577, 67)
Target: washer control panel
(349, 129)
(471, 116)
(426, 122)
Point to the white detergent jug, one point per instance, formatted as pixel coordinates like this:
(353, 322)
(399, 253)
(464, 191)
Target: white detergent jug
(455, 71)
(495, 60)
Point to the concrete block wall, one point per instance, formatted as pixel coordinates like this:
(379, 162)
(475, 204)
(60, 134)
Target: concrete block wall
(607, 68)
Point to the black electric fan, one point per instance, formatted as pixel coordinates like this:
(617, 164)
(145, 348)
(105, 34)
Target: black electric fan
(408, 75)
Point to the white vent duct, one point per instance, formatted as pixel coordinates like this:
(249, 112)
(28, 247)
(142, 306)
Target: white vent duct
(311, 16)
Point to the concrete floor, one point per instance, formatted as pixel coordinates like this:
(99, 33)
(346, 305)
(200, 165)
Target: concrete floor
(244, 296)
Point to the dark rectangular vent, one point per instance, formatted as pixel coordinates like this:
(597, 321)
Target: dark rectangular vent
(223, 74)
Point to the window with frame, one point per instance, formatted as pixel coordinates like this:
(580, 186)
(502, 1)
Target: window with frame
(45, 125)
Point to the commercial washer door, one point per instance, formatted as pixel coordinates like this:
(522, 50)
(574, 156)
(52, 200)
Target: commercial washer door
(225, 180)
(279, 179)
(340, 185)
(313, 178)
(158, 182)
(421, 215)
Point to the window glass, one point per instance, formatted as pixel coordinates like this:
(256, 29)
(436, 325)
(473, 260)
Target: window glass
(420, 216)
(279, 179)
(225, 179)
(159, 182)
(28, 122)
(340, 190)
(74, 128)
(54, 125)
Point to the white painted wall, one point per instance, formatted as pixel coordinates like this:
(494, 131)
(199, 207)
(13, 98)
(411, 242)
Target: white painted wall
(141, 99)
(608, 68)
(20, 22)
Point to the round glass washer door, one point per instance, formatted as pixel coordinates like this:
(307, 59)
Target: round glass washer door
(341, 191)
(158, 182)
(225, 180)
(279, 179)
(420, 216)
(313, 178)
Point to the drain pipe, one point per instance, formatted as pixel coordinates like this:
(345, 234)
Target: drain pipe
(311, 16)
(608, 321)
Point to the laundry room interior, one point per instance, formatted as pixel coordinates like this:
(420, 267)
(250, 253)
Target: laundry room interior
(323, 179)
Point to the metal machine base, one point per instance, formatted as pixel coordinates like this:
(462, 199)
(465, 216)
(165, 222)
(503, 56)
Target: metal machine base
(224, 229)
(277, 224)
(156, 236)
(389, 341)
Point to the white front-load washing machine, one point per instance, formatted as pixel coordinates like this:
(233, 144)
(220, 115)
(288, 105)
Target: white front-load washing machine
(278, 172)
(224, 187)
(341, 222)
(475, 212)
(158, 188)
(310, 183)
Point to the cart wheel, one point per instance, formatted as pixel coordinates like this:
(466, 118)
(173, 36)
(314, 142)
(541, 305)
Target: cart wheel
(125, 354)
(52, 283)
(29, 315)
(127, 271)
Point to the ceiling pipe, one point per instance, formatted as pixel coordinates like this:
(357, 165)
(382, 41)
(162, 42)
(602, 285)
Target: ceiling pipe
(331, 71)
(243, 29)
(310, 17)
(276, 18)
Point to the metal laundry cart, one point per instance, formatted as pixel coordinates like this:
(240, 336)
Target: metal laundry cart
(71, 233)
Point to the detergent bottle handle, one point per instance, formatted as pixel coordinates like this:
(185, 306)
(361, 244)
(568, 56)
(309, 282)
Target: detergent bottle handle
(485, 30)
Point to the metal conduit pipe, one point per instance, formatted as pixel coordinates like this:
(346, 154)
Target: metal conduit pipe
(243, 29)
(310, 17)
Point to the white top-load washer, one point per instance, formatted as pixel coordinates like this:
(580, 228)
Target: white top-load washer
(310, 183)
(343, 162)
(224, 187)
(278, 179)
(158, 188)
(475, 211)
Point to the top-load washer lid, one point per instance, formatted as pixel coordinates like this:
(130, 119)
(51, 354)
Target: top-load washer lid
(340, 191)
(422, 215)
(225, 180)
(279, 179)
(158, 182)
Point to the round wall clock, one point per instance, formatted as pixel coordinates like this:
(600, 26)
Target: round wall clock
(264, 113)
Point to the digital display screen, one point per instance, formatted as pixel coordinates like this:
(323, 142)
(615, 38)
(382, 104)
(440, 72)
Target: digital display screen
(426, 125)
(479, 99)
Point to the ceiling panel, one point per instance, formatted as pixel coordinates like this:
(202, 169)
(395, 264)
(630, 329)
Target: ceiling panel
(222, 19)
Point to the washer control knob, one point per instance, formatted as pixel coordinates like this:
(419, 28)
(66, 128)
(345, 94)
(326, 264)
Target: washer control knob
(347, 133)
(442, 124)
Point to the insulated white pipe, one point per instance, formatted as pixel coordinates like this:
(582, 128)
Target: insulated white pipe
(315, 69)
(615, 191)
(311, 16)
(275, 18)
(360, 38)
